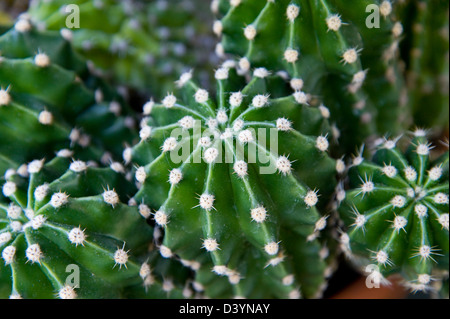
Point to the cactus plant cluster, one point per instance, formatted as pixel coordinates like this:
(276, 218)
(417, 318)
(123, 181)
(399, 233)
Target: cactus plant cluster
(237, 176)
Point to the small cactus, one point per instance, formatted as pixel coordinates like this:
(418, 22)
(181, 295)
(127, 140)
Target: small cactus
(396, 212)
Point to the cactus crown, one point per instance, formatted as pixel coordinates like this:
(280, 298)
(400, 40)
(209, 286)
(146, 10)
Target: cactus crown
(236, 185)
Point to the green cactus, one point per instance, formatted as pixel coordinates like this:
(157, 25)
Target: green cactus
(67, 213)
(396, 212)
(328, 50)
(49, 101)
(239, 184)
(235, 183)
(426, 54)
(140, 44)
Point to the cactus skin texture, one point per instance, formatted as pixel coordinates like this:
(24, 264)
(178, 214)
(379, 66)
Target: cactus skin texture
(396, 213)
(426, 52)
(244, 232)
(327, 45)
(64, 214)
(49, 101)
(140, 44)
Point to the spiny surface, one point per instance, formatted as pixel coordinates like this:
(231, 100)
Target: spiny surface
(396, 212)
(237, 183)
(327, 48)
(61, 217)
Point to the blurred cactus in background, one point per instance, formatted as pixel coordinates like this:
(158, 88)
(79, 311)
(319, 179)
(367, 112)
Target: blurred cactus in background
(137, 43)
(49, 101)
(425, 51)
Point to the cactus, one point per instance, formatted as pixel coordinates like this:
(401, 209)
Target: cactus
(67, 213)
(139, 44)
(328, 51)
(49, 101)
(426, 54)
(236, 182)
(242, 213)
(396, 212)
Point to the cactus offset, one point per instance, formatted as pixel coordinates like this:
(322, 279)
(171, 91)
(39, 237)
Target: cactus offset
(396, 212)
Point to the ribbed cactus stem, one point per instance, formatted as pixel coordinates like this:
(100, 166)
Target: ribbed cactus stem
(326, 49)
(224, 204)
(397, 212)
(67, 214)
(52, 106)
